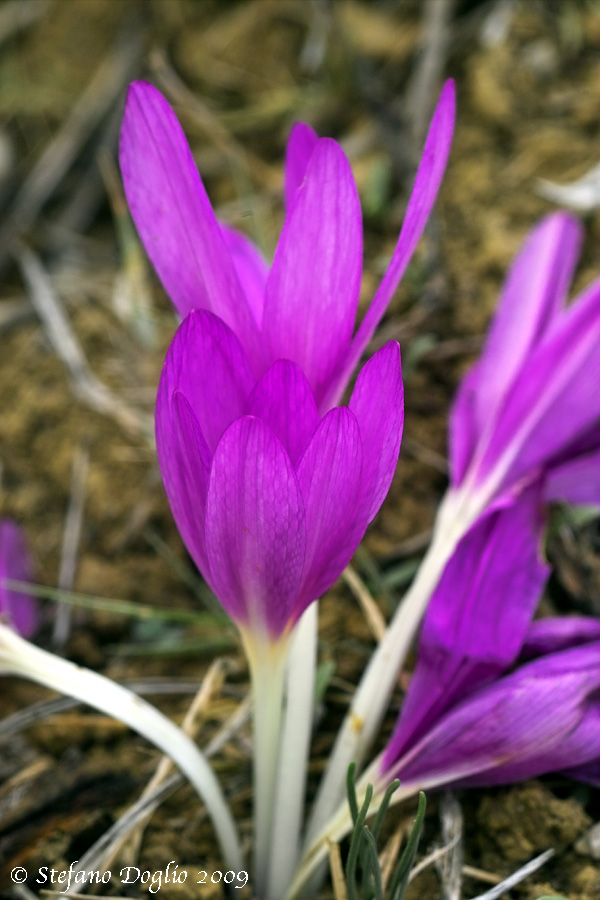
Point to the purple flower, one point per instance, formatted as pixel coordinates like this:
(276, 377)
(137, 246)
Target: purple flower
(465, 721)
(304, 307)
(530, 407)
(271, 499)
(18, 609)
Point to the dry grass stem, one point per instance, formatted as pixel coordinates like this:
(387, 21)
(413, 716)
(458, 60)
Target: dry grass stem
(371, 611)
(62, 337)
(70, 545)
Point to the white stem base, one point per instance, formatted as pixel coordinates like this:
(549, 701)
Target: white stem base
(293, 757)
(267, 661)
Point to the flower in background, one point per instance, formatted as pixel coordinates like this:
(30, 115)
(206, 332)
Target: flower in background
(17, 609)
(304, 307)
(494, 698)
(465, 721)
(530, 407)
(528, 413)
(270, 497)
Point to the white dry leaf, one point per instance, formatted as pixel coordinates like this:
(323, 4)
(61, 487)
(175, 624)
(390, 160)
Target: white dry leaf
(582, 195)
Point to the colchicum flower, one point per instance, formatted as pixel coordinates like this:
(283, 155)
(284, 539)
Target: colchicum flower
(17, 609)
(271, 498)
(271, 483)
(494, 698)
(303, 308)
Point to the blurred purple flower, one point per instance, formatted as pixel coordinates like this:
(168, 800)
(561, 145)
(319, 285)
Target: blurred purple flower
(465, 721)
(530, 407)
(270, 498)
(304, 307)
(18, 609)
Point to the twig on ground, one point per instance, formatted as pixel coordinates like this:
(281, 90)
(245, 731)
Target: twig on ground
(92, 859)
(337, 871)
(70, 544)
(518, 876)
(130, 846)
(62, 337)
(450, 865)
(97, 98)
(16, 17)
(425, 455)
(371, 611)
(437, 17)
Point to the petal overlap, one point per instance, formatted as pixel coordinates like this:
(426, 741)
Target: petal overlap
(255, 527)
(377, 401)
(313, 286)
(284, 401)
(329, 474)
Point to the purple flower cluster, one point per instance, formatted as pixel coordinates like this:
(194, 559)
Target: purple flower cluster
(494, 697)
(272, 484)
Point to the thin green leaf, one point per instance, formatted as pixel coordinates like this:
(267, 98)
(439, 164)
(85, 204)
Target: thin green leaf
(400, 876)
(118, 607)
(384, 808)
(351, 791)
(373, 865)
(356, 842)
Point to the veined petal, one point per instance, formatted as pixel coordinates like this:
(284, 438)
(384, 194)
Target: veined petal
(477, 618)
(377, 401)
(577, 481)
(555, 398)
(284, 401)
(536, 720)
(580, 744)
(207, 363)
(329, 474)
(463, 428)
(313, 287)
(251, 267)
(535, 291)
(301, 143)
(255, 527)
(173, 214)
(184, 460)
(424, 193)
(559, 633)
(21, 610)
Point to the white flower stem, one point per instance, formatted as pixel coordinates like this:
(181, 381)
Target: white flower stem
(19, 657)
(267, 659)
(455, 516)
(293, 757)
